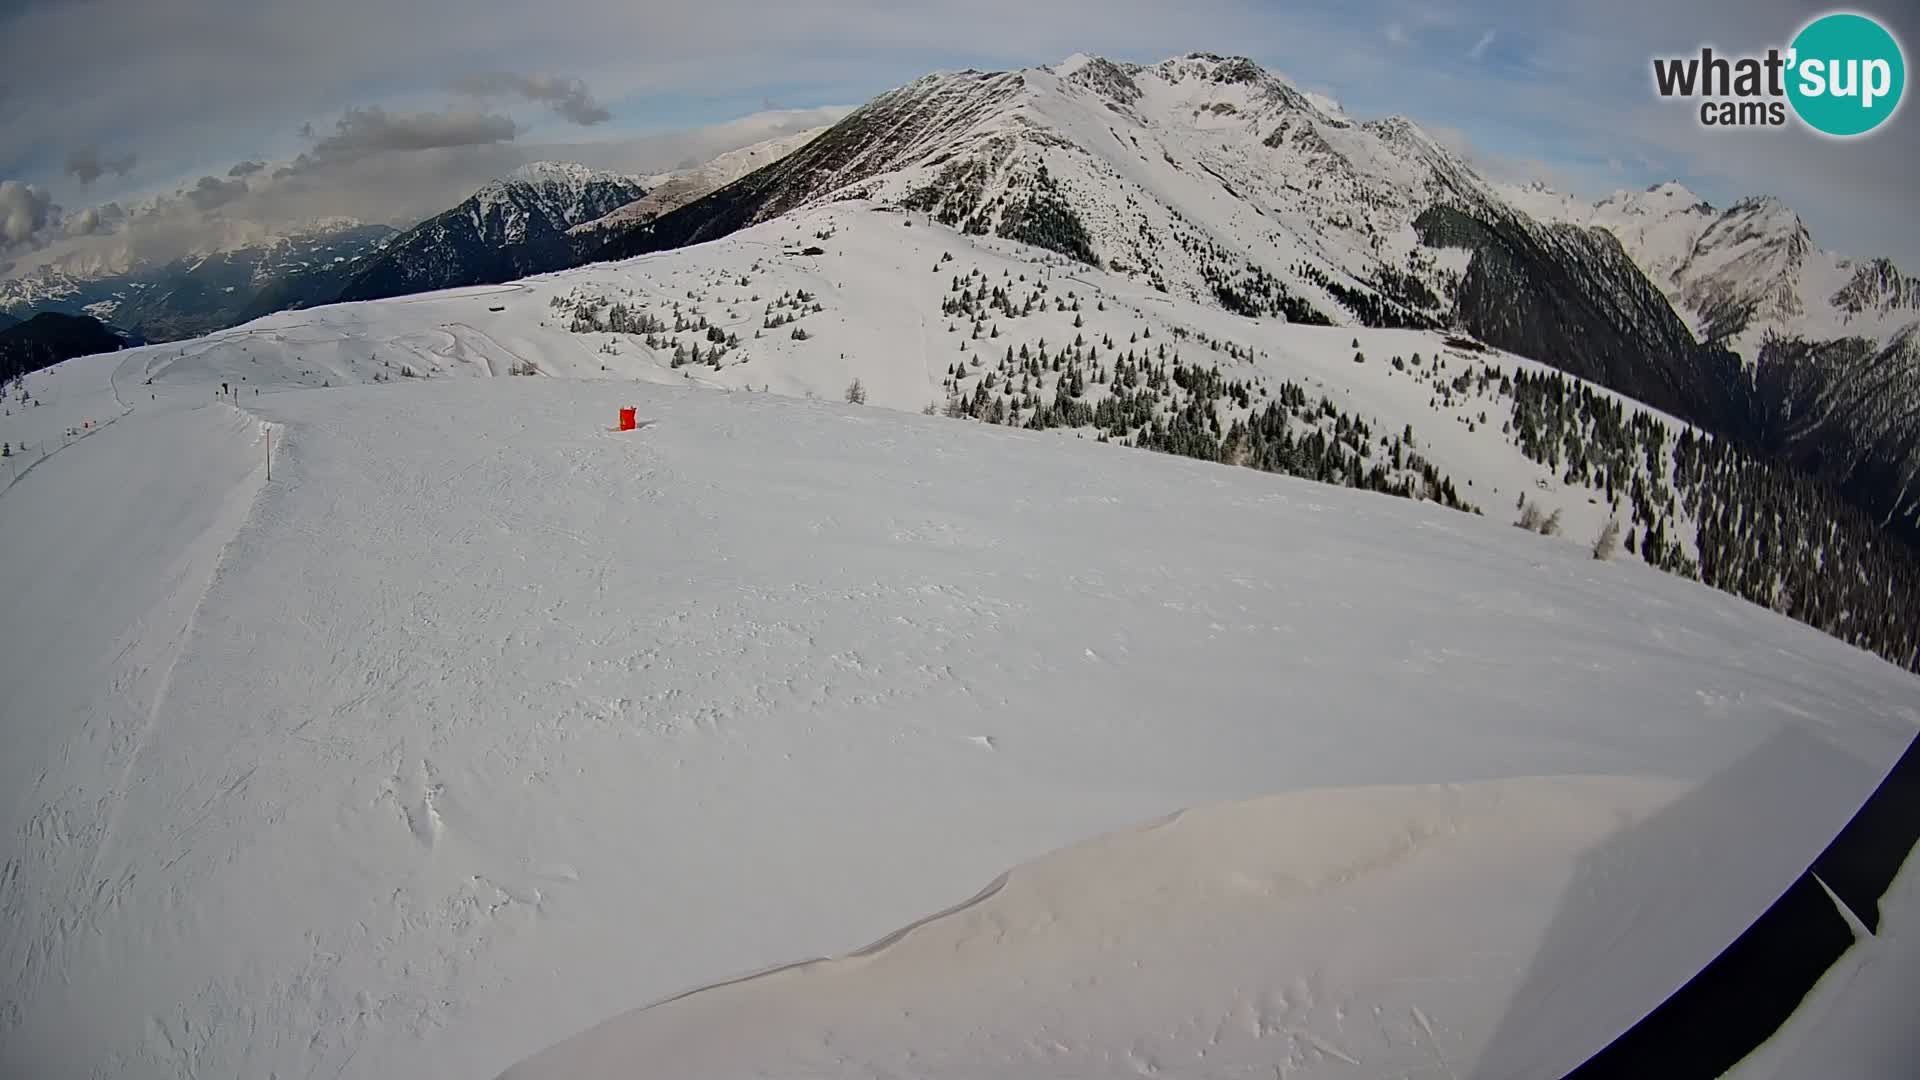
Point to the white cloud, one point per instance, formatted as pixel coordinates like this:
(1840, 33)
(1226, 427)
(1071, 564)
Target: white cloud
(27, 216)
(1481, 46)
(1396, 34)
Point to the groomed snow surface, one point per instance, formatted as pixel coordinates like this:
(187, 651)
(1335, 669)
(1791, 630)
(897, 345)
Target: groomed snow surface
(480, 728)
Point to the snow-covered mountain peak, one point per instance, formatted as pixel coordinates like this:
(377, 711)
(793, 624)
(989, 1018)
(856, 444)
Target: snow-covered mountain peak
(1071, 64)
(1745, 267)
(566, 192)
(1211, 67)
(1672, 189)
(1763, 204)
(552, 172)
(1203, 173)
(1766, 219)
(512, 226)
(1412, 140)
(1877, 287)
(1667, 197)
(1743, 272)
(1102, 76)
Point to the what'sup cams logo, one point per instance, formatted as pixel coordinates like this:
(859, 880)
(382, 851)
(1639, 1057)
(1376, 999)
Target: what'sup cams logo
(1842, 75)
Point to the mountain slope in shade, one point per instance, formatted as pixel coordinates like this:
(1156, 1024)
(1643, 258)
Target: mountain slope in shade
(50, 337)
(510, 228)
(1848, 410)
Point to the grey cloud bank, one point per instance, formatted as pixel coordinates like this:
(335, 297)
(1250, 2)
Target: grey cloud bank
(372, 130)
(353, 179)
(568, 98)
(86, 165)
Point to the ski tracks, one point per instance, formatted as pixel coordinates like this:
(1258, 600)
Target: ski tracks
(72, 900)
(227, 526)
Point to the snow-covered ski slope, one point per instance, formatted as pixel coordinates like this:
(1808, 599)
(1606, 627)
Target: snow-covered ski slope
(481, 724)
(881, 286)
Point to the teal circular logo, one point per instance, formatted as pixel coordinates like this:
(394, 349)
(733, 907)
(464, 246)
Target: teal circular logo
(1846, 74)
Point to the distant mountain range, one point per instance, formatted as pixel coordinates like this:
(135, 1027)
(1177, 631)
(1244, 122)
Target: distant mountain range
(190, 296)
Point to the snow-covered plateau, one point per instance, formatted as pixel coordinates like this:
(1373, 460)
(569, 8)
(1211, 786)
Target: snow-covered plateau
(484, 738)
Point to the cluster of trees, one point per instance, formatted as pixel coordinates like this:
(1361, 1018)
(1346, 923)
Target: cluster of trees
(1406, 288)
(1033, 210)
(1145, 394)
(790, 307)
(1771, 534)
(690, 336)
(998, 300)
(1245, 288)
(1046, 219)
(599, 317)
(1340, 453)
(1371, 308)
(954, 197)
(1760, 529)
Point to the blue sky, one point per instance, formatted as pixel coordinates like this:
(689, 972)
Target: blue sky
(185, 89)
